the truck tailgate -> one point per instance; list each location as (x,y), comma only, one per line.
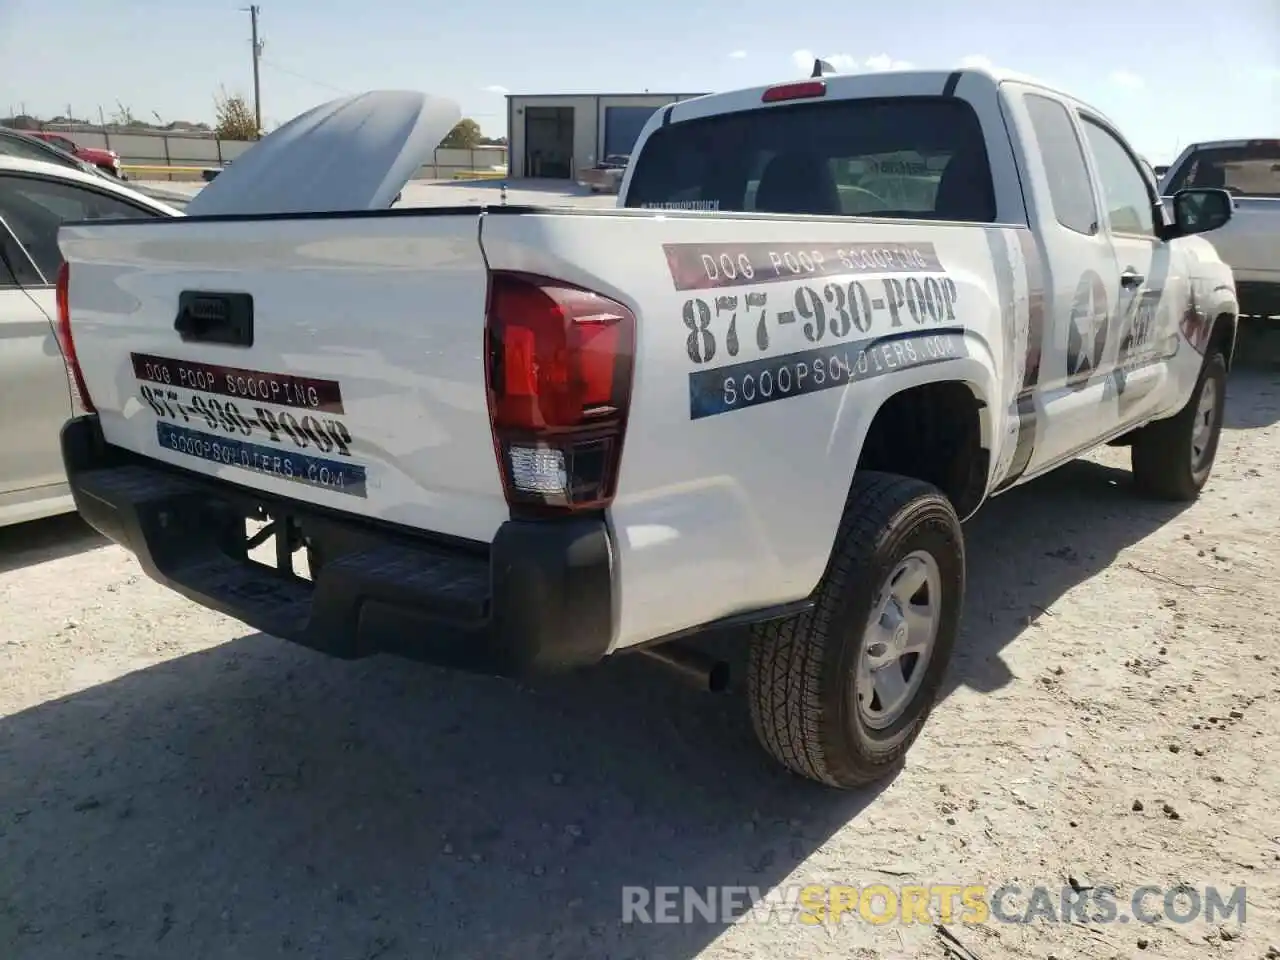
(331,359)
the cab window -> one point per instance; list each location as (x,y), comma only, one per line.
(1244,170)
(905,157)
(1125,191)
(1070,191)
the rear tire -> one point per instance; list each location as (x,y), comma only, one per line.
(1172,458)
(819,703)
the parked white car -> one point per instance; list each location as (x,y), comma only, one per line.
(35,400)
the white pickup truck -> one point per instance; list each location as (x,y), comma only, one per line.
(1250,245)
(517,439)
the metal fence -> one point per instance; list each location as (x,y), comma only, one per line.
(170,155)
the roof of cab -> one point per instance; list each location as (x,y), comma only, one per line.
(914,82)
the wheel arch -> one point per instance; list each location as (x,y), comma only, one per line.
(1223,335)
(939,431)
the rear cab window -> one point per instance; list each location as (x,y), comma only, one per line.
(1070,189)
(901,157)
(1244,170)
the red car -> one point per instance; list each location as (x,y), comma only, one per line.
(108,161)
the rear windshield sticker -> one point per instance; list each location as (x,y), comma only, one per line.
(281,389)
(289,465)
(709,266)
(755,382)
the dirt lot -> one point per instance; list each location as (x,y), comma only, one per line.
(171,785)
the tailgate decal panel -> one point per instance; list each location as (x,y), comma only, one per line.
(253,420)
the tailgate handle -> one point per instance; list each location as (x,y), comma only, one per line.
(205,317)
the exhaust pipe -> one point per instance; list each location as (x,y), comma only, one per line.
(702,671)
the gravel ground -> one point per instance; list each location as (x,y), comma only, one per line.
(172,784)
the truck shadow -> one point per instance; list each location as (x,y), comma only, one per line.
(258,800)
(1070,525)
(1253,396)
(26,544)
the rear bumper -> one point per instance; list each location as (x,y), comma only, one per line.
(538,599)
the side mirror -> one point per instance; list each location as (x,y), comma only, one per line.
(1201,210)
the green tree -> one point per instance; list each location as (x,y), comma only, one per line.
(235,120)
(464,136)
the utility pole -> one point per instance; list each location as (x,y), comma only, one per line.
(257,55)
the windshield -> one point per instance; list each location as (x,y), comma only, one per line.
(1250,170)
(906,157)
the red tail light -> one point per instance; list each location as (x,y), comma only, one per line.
(805,90)
(62,329)
(559,361)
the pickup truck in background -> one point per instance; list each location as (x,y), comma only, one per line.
(521,439)
(1250,171)
(605,176)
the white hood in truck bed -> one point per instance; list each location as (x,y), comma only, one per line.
(353,153)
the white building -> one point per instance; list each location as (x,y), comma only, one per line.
(554,136)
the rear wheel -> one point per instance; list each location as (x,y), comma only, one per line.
(839,694)
(1172,458)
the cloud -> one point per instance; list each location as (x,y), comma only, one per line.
(497,88)
(882,62)
(738,55)
(1127,80)
(978,61)
(840,62)
(846,63)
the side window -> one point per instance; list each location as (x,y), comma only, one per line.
(16,268)
(35,208)
(1070,190)
(1128,200)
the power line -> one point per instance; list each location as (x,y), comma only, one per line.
(298,76)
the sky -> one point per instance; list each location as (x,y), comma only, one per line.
(1167,73)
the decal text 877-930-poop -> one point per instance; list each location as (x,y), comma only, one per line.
(277,424)
(854,311)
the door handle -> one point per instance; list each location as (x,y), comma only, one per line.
(1131,278)
(225,318)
